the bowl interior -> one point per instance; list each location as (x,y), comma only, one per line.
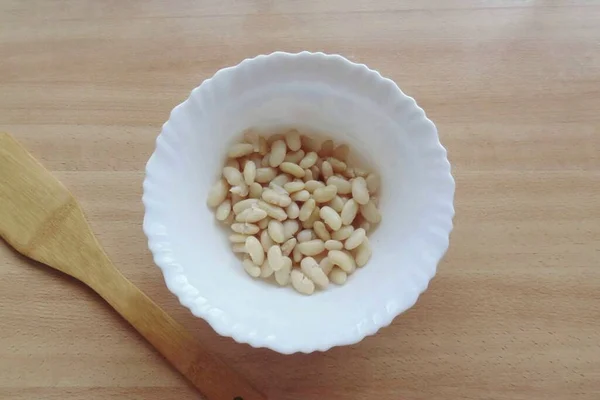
(320,102)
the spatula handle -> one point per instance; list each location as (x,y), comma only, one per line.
(210,375)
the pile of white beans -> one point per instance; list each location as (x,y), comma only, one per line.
(299,213)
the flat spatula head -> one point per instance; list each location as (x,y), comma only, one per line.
(38,216)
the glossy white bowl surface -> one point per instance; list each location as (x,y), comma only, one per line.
(319,93)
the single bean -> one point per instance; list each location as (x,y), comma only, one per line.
(312,247)
(245,228)
(217,193)
(276,231)
(254,248)
(223,210)
(331,218)
(240,150)
(302,283)
(356,239)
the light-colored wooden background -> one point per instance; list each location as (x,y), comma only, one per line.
(514,87)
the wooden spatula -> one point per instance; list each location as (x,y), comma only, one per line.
(42,220)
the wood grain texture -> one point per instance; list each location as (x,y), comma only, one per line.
(514,88)
(42,220)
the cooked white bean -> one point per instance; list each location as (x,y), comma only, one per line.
(263,223)
(331,218)
(254,248)
(326,170)
(306,209)
(293,211)
(237,238)
(341,152)
(349,212)
(266,270)
(292,139)
(266,241)
(308,224)
(244,205)
(342,260)
(217,193)
(281,180)
(308,175)
(273,211)
(326,148)
(263,147)
(252,269)
(312,247)
(315,171)
(265,174)
(294,157)
(305,235)
(370,212)
(276,231)
(360,193)
(288,246)
(241,190)
(363,253)
(245,229)
(343,233)
(296,255)
(311,268)
(240,150)
(326,265)
(278,151)
(277,188)
(271,196)
(309,160)
(338,276)
(239,248)
(265,160)
(334,245)
(290,227)
(249,172)
(282,276)
(343,186)
(302,283)
(321,231)
(233,176)
(275,257)
(293,187)
(349,173)
(325,194)
(337,165)
(223,210)
(255,190)
(373,182)
(313,185)
(251,215)
(301,196)
(337,204)
(309,143)
(360,172)
(292,169)
(355,240)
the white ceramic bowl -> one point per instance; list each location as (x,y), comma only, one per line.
(318,93)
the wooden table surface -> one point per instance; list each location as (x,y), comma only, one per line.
(514,88)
